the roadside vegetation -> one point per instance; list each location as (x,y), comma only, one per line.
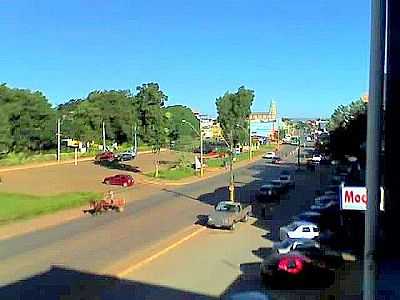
(15,207)
(184,168)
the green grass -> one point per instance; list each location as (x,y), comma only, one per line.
(21,206)
(14,159)
(215,162)
(174,174)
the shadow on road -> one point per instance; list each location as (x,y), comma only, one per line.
(120,166)
(60,283)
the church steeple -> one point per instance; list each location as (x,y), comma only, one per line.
(273,110)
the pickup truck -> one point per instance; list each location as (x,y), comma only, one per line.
(227,213)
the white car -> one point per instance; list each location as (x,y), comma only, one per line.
(269,155)
(317,158)
(299,230)
(287,179)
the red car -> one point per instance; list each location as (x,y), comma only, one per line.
(105,156)
(120,179)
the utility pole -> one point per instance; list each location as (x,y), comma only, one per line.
(374,144)
(250,154)
(104,137)
(298,155)
(76,156)
(58,140)
(201,152)
(231,179)
(135,139)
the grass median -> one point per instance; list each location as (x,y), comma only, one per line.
(173,173)
(178,173)
(15,207)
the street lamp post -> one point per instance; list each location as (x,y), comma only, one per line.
(250,154)
(201,144)
(58,140)
(231,179)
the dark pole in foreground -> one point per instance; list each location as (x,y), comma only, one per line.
(374,128)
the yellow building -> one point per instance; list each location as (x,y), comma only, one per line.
(216,131)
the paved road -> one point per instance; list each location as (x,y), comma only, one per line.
(96,244)
(218,263)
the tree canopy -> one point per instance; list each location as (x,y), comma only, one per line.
(28,120)
(233,112)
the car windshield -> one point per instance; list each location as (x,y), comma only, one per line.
(225,207)
(284,177)
(292,226)
(286,243)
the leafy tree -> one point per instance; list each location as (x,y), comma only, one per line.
(233,112)
(149,102)
(30,118)
(5,134)
(179,132)
(348,130)
(83,118)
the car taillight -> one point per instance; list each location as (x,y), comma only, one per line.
(292,265)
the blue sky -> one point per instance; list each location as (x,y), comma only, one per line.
(310,56)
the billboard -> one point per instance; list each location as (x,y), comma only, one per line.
(355,198)
(262,128)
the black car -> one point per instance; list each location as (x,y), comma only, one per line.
(295,269)
(267,193)
(330,258)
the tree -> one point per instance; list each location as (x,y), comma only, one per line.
(5,133)
(348,130)
(233,112)
(177,132)
(149,102)
(83,118)
(30,118)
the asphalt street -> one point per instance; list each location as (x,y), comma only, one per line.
(96,244)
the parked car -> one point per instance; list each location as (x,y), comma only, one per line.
(269,155)
(316,158)
(295,269)
(332,205)
(299,229)
(330,258)
(287,179)
(289,245)
(119,179)
(281,186)
(325,219)
(275,160)
(128,155)
(107,156)
(267,193)
(227,213)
